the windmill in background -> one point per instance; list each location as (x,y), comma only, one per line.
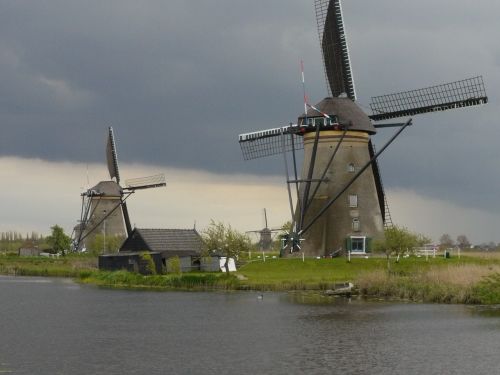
(265,235)
(339,198)
(104,207)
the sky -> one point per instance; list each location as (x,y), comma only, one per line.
(179,80)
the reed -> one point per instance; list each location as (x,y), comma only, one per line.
(460,283)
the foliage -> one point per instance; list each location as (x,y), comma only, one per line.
(11,241)
(124,279)
(174,265)
(69,266)
(445,241)
(113,244)
(488,290)
(463,241)
(397,240)
(223,239)
(58,240)
(149,267)
(285,229)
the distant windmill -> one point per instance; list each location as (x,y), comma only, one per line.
(340,200)
(104,207)
(265,234)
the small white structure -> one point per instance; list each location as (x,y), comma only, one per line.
(231,264)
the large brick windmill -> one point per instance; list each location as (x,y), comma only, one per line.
(104,206)
(340,201)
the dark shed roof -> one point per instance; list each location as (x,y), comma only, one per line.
(169,242)
(347,112)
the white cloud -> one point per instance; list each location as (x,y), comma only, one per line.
(434,217)
(36,194)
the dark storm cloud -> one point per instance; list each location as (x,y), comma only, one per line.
(179,80)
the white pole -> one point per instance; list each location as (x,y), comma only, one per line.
(263,256)
(349,255)
(104,245)
(303,257)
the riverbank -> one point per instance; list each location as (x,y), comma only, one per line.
(470,279)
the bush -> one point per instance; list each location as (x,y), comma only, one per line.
(488,290)
(149,264)
(174,265)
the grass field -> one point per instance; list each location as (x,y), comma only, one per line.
(470,279)
(68,266)
(290,272)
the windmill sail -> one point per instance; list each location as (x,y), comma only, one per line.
(149,182)
(112,157)
(334,48)
(268,142)
(378,180)
(460,94)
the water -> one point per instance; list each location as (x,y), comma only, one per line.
(54,326)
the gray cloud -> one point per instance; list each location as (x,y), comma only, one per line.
(179,80)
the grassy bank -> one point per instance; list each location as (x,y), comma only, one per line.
(465,280)
(187,281)
(68,266)
(470,279)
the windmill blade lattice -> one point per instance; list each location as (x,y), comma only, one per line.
(465,93)
(334,47)
(157,180)
(112,157)
(269,142)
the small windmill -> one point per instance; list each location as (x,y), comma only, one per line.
(265,234)
(340,199)
(104,207)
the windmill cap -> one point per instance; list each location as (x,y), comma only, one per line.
(107,189)
(347,112)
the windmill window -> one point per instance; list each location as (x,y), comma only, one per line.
(353,200)
(332,120)
(310,121)
(351,168)
(358,244)
(355,225)
(320,121)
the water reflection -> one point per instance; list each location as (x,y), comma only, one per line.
(486,311)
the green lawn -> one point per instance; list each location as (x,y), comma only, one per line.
(68,266)
(322,273)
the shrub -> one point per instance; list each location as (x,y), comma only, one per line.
(174,265)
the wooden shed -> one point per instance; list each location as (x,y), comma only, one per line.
(132,261)
(183,243)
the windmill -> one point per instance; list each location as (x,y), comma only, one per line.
(265,234)
(339,198)
(104,206)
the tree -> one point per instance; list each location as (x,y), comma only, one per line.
(58,240)
(397,240)
(113,244)
(225,240)
(463,241)
(445,241)
(284,230)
